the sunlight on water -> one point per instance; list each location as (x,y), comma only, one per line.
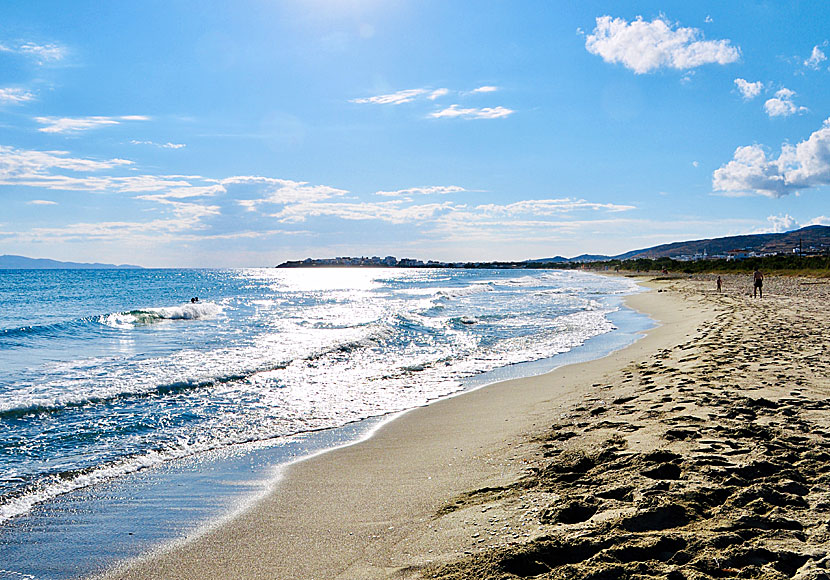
(108,381)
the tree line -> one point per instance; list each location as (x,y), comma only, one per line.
(819,265)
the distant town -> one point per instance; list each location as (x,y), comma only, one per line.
(391,262)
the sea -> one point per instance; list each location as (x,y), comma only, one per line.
(139,407)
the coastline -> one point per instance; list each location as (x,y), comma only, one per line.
(349,511)
(92,529)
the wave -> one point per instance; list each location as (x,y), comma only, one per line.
(464,291)
(521,281)
(299,366)
(192,311)
(18,336)
(60,397)
(22,408)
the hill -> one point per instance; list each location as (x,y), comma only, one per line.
(811,237)
(11,262)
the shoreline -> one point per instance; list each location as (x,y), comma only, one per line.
(93,529)
(330,513)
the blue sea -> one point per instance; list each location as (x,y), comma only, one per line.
(110,376)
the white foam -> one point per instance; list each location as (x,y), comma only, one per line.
(188,311)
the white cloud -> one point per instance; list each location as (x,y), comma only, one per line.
(438,93)
(821,220)
(432,190)
(708,19)
(816,58)
(410,95)
(454,111)
(24,162)
(782,104)
(14,96)
(798,167)
(75,124)
(749,90)
(48,169)
(540,207)
(167,145)
(42,202)
(647,46)
(111,231)
(521,214)
(397,98)
(280,191)
(781,223)
(388,211)
(42,53)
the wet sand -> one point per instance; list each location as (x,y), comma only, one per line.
(701,451)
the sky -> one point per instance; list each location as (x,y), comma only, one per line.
(247,133)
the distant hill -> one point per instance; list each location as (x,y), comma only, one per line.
(809,237)
(556,260)
(10,262)
(563,260)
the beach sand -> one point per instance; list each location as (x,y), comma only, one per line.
(701,451)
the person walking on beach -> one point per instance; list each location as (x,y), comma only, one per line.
(720,284)
(758,288)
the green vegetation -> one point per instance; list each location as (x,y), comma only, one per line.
(781,264)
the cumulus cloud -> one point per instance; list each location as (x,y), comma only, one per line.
(165,209)
(438,93)
(781,223)
(268,190)
(15,96)
(816,58)
(647,46)
(432,190)
(454,111)
(76,124)
(821,220)
(782,105)
(749,90)
(798,167)
(398,98)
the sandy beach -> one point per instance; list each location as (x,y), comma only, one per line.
(701,451)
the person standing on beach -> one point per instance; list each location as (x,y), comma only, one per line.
(720,284)
(758,288)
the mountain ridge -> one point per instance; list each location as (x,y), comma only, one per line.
(816,236)
(14,262)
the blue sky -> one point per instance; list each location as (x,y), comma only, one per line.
(248,133)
